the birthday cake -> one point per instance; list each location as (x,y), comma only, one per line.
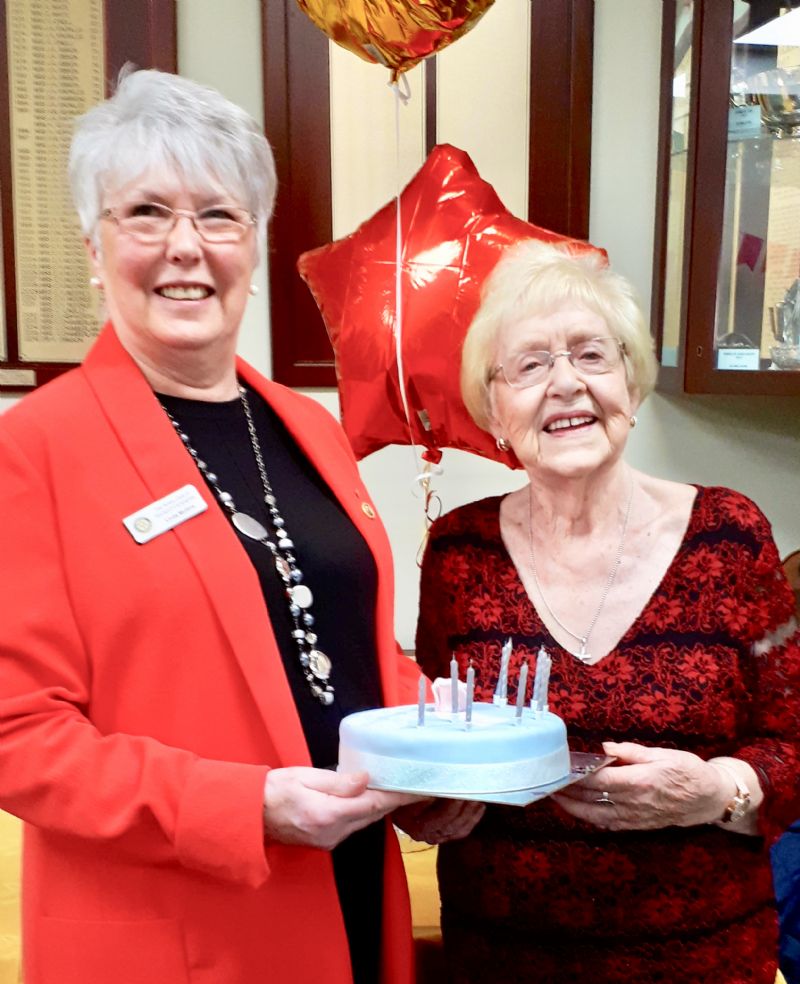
(499,750)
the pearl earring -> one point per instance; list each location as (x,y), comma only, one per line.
(502,444)
(633,421)
(253,289)
(96,282)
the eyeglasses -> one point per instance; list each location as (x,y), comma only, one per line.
(591,357)
(150,222)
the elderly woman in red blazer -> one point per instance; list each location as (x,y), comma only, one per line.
(195,590)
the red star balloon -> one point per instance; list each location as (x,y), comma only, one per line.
(454,229)
(394,33)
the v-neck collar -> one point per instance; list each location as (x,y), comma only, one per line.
(631,629)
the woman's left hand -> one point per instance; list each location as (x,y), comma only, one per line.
(438,820)
(648,788)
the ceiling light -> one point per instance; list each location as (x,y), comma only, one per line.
(782,30)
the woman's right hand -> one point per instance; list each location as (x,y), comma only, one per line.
(320,808)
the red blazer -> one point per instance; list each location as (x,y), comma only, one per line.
(142,699)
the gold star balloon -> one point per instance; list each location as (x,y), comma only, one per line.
(395,33)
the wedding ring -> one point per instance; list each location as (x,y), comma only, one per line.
(605,799)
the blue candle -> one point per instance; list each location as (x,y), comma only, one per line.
(541,681)
(522,685)
(453,686)
(543,694)
(537,681)
(501,690)
(421,703)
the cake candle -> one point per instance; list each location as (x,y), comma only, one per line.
(542,681)
(453,686)
(470,694)
(537,683)
(544,694)
(421,690)
(522,686)
(501,690)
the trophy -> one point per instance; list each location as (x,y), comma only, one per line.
(785,322)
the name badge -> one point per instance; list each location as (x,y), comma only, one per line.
(165,514)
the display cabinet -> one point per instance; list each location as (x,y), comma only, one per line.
(726,286)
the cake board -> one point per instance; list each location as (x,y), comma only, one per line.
(582,764)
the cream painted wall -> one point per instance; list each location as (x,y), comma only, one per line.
(220,45)
(480,110)
(750,444)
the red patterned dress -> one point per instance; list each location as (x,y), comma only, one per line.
(712,666)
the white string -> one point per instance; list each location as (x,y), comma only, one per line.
(401,97)
(421,484)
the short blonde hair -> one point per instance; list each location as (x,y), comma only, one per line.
(536,278)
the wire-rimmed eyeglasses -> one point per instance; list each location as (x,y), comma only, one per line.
(152,222)
(530,366)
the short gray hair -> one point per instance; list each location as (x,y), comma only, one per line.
(155,119)
(536,278)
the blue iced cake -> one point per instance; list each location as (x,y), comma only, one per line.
(496,753)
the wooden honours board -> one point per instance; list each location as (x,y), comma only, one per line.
(57,58)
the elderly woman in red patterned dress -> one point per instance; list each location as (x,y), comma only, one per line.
(674,645)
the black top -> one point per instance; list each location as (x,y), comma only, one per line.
(339,569)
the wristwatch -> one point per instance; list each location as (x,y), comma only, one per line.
(740,804)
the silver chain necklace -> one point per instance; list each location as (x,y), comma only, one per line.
(315,665)
(582,655)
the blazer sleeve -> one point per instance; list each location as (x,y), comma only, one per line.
(156,803)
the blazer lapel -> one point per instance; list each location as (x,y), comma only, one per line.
(156,452)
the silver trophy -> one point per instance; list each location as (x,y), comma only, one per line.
(785,322)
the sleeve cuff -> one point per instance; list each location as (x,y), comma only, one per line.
(220,827)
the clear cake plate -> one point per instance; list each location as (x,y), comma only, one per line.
(582,764)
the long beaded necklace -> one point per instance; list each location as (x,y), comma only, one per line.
(315,665)
(582,655)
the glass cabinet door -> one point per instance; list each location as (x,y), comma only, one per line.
(729,274)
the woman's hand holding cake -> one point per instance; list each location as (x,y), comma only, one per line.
(650,788)
(320,808)
(436,821)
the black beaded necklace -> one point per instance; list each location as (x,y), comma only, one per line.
(316,666)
